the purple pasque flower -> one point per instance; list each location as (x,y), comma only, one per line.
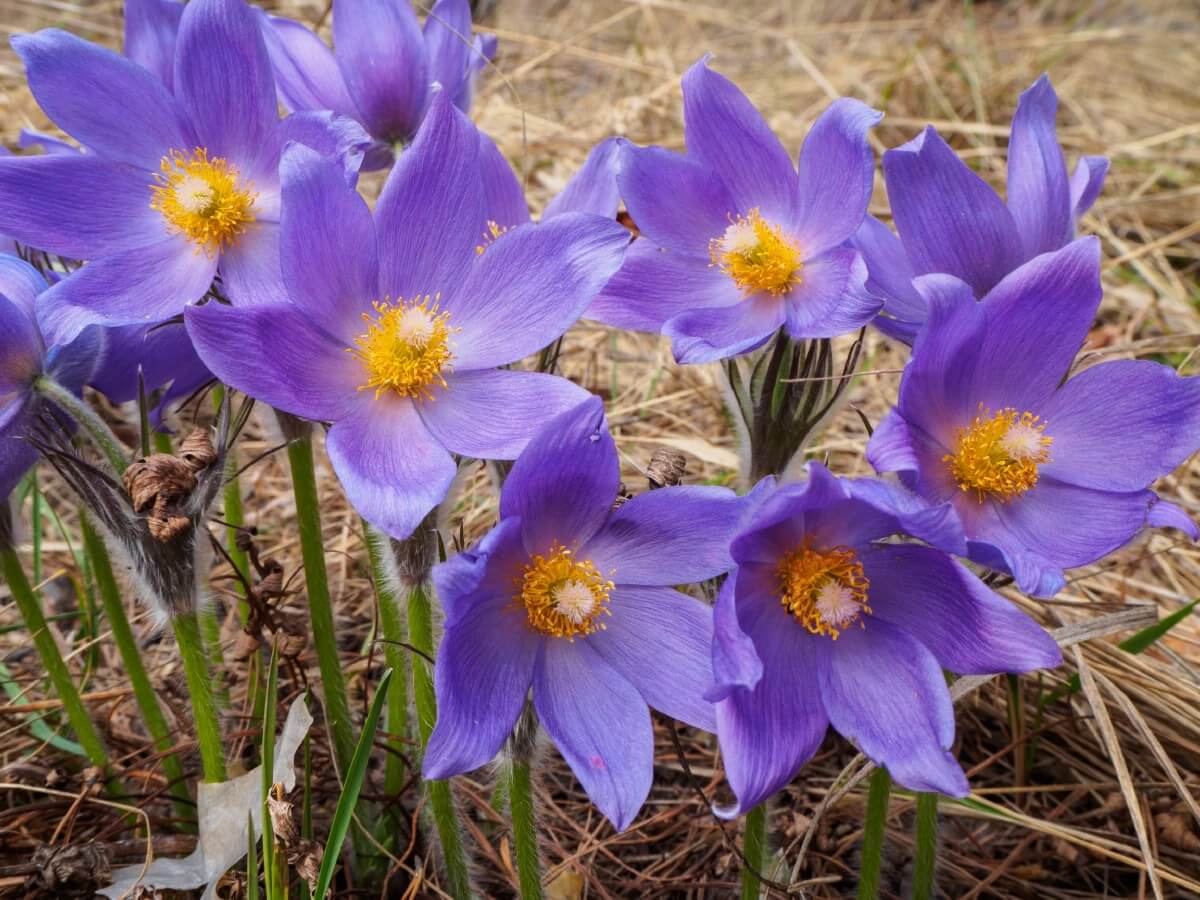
(385,66)
(151,32)
(164,357)
(951,221)
(576,600)
(735,245)
(177,187)
(394,324)
(24,358)
(824,622)
(1044,475)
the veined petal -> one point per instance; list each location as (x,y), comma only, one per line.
(948,217)
(677,202)
(600,724)
(151,27)
(21,283)
(1038,191)
(505,199)
(306,74)
(483,674)
(492,413)
(970,629)
(1086,183)
(884,691)
(563,486)
(136,287)
(249,268)
(100,98)
(20,353)
(487,571)
(735,661)
(334,136)
(381,52)
(392,469)
(726,133)
(832,297)
(837,171)
(448,44)
(593,189)
(531,285)
(660,641)
(275,354)
(1169,515)
(706,335)
(889,276)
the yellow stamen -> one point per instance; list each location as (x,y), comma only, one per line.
(757,256)
(204,199)
(825,590)
(563,596)
(999,454)
(406,347)
(489,237)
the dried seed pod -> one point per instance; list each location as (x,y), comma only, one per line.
(306,859)
(197,450)
(72,871)
(666,468)
(283,819)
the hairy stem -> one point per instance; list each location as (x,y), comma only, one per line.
(524,825)
(754,848)
(873,832)
(925,862)
(392,624)
(112,448)
(204,706)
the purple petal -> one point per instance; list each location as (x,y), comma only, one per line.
(563,486)
(676,535)
(600,724)
(727,134)
(334,136)
(530,286)
(885,692)
(1038,192)
(492,413)
(768,732)
(483,51)
(249,267)
(1087,183)
(660,641)
(223,79)
(593,189)
(890,448)
(71,365)
(80,207)
(29,139)
(676,202)
(105,101)
(706,335)
(483,673)
(162,353)
(274,354)
(970,629)
(832,298)
(392,469)
(489,570)
(328,251)
(948,217)
(890,275)
(448,44)
(735,661)
(16,454)
(137,287)
(151,27)
(382,56)
(505,204)
(21,284)
(20,352)
(654,285)
(837,172)
(1168,515)
(430,215)
(1120,425)
(306,74)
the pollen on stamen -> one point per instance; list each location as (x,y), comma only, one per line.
(825,590)
(563,596)
(205,199)
(494,231)
(757,255)
(406,348)
(999,453)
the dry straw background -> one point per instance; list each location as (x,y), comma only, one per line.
(1105,802)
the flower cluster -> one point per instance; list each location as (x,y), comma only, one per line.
(198,231)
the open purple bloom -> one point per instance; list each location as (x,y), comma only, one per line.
(162,353)
(735,245)
(951,221)
(25,357)
(1044,475)
(385,66)
(395,323)
(575,600)
(177,187)
(824,623)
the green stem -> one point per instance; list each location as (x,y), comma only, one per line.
(754,848)
(441,801)
(112,448)
(139,680)
(873,832)
(524,824)
(392,623)
(56,667)
(925,861)
(234,516)
(320,606)
(204,707)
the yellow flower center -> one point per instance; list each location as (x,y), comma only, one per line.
(999,454)
(204,199)
(757,256)
(564,596)
(406,347)
(825,591)
(489,237)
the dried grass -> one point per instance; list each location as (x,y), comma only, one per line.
(1094,796)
